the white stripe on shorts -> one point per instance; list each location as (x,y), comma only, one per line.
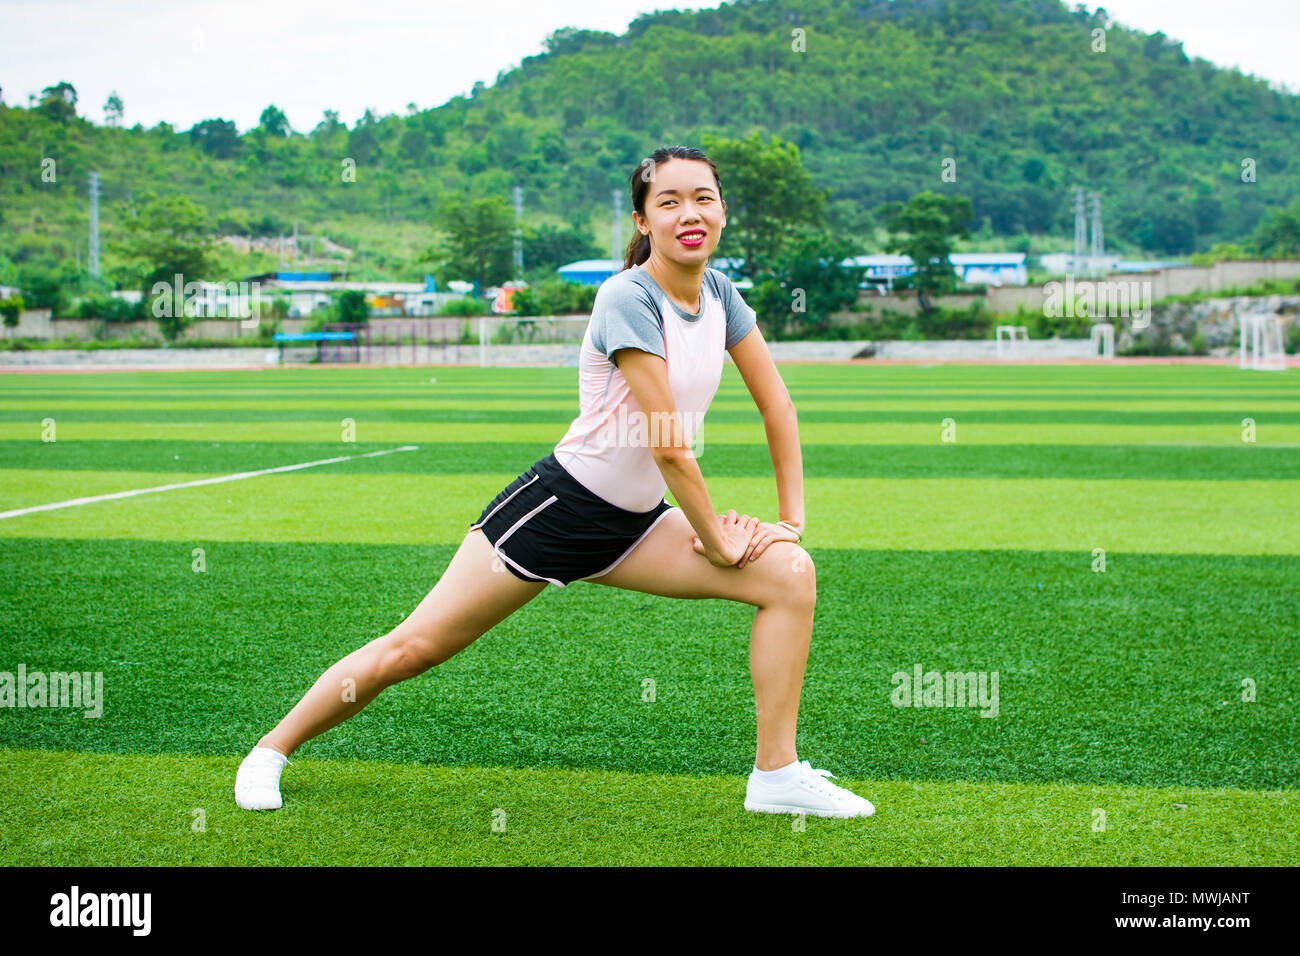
(523,570)
(505,501)
(515,527)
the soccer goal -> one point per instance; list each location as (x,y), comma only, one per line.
(1261,343)
(1102,336)
(1014,335)
(505,341)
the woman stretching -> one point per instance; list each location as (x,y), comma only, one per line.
(594,509)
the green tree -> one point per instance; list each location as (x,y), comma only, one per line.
(217,137)
(43,288)
(808,284)
(363,141)
(554,296)
(113,109)
(479,246)
(548,247)
(12,310)
(169,237)
(1278,236)
(768,194)
(59,102)
(924,229)
(274,121)
(328,126)
(353,307)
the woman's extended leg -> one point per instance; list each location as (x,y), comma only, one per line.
(475,593)
(781,584)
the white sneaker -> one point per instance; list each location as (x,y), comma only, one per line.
(257,784)
(808,793)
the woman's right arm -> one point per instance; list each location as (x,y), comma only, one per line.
(646,375)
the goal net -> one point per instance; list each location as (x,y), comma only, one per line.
(1011,340)
(1261,343)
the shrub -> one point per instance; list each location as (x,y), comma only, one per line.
(110,309)
(554,296)
(12,310)
(352,307)
(466,305)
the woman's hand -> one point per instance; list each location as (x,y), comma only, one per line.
(764,535)
(736,532)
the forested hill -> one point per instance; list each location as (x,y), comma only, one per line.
(876,94)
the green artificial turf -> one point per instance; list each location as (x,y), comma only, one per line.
(94,810)
(1171,677)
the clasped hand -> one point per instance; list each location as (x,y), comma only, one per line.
(744,538)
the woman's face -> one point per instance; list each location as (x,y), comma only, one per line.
(682,199)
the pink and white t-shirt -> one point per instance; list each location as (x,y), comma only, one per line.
(607,447)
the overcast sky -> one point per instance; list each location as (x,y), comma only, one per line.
(183,61)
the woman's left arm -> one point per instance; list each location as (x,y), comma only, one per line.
(754,362)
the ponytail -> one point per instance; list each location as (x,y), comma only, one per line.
(638,250)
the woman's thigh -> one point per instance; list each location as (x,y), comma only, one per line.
(475,593)
(665,563)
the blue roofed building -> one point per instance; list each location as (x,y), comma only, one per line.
(982,268)
(590,271)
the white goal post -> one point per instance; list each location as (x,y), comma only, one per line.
(546,341)
(1102,335)
(1014,334)
(1261,342)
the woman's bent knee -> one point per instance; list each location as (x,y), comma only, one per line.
(793,575)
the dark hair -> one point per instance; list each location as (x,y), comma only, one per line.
(638,250)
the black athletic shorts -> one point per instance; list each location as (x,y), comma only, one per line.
(547,526)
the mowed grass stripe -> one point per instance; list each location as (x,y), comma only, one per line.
(70,809)
(1175,516)
(559,417)
(1094,376)
(1134,675)
(956,460)
(534,403)
(728,391)
(927,432)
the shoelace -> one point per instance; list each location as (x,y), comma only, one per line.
(810,775)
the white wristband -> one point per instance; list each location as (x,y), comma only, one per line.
(785,524)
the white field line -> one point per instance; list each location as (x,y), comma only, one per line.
(202,481)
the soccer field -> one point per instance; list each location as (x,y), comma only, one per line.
(1147,698)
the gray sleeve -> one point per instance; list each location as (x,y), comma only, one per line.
(740,317)
(624,316)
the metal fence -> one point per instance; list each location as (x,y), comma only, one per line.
(414,342)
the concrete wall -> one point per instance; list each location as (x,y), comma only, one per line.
(504,355)
(1164,283)
(32,324)
(139,358)
(38,324)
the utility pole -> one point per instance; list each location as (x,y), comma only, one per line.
(1098,242)
(1080,232)
(519,233)
(92,256)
